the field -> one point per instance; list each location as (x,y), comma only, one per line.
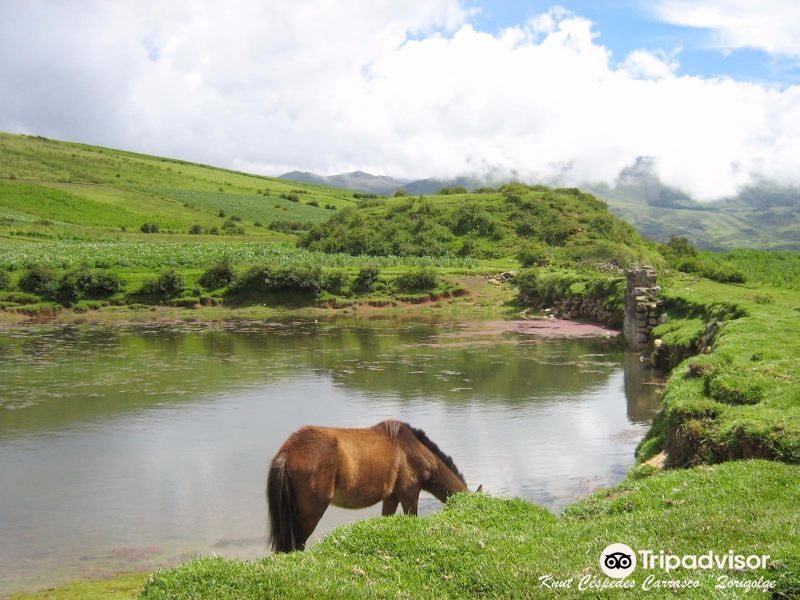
(57,190)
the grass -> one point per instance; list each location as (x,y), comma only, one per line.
(119,587)
(90,191)
(743,399)
(481,546)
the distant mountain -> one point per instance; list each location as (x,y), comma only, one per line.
(358,181)
(761,216)
(432,186)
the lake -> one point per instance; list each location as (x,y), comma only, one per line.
(130,447)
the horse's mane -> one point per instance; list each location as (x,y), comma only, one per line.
(431,445)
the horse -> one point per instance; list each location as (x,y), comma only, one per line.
(352,468)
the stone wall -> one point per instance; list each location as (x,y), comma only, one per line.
(643,307)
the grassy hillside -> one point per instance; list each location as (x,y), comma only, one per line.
(567,225)
(51,189)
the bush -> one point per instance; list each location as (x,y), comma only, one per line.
(5,280)
(170,284)
(39,281)
(83,282)
(365,280)
(268,278)
(218,275)
(421,279)
(334,282)
(528,283)
(533,254)
(718,271)
(150,228)
(103,284)
(678,247)
(196,230)
(289,226)
(401,193)
(456,189)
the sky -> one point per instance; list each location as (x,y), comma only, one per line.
(569,93)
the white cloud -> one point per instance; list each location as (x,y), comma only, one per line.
(769,25)
(651,65)
(406,89)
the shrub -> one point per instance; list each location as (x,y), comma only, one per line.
(39,281)
(150,228)
(679,246)
(102,284)
(474,218)
(401,193)
(196,230)
(468,248)
(313,203)
(334,282)
(290,197)
(421,279)
(718,271)
(5,280)
(170,284)
(218,275)
(533,254)
(456,189)
(289,226)
(365,280)
(528,283)
(269,278)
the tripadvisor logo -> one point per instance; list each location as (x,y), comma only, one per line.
(618,561)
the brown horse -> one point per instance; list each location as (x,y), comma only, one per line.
(352,468)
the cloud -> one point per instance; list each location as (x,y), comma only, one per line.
(651,65)
(406,89)
(769,25)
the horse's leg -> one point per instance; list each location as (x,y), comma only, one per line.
(313,495)
(390,506)
(410,500)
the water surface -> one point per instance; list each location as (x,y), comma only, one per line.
(131,447)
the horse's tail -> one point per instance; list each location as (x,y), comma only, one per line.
(282,507)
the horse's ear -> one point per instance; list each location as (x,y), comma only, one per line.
(480,489)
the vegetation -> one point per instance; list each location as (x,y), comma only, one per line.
(219,275)
(574,227)
(169,284)
(481,546)
(73,232)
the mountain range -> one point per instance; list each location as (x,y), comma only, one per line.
(765,215)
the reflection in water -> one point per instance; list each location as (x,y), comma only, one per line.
(125,448)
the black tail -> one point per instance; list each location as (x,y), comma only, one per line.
(282,509)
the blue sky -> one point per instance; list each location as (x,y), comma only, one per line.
(624,26)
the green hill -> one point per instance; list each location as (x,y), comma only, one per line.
(52,189)
(569,225)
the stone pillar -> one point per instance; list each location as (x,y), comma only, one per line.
(642,306)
